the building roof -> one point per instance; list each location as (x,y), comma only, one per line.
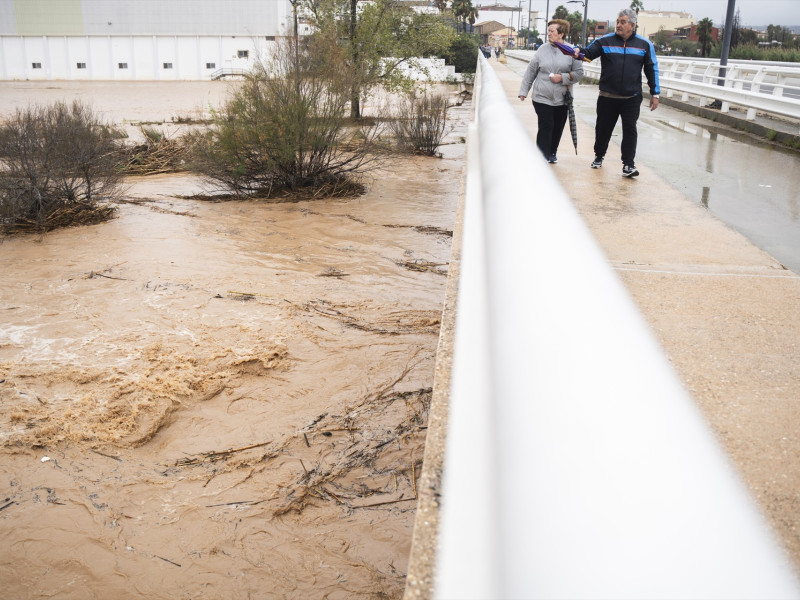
(490,26)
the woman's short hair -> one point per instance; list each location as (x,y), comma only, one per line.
(630,13)
(561,24)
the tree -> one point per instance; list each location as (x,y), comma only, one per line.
(464,13)
(637,5)
(472,16)
(376,40)
(591,25)
(561,12)
(704,29)
(776,33)
(661,38)
(739,35)
(462,53)
(683,47)
(575,21)
(285,129)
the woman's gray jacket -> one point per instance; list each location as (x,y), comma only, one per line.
(549,59)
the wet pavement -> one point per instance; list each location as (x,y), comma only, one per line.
(746,182)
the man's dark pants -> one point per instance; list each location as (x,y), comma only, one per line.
(608,111)
(551,126)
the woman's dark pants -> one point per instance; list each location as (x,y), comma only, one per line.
(551,126)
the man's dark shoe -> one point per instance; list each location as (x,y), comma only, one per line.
(553,159)
(629,171)
(598,162)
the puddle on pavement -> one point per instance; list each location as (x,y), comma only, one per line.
(749,184)
(223,400)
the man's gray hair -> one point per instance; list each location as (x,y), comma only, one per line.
(630,13)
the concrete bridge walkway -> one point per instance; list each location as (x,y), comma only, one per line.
(726,313)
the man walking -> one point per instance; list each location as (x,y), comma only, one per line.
(623,56)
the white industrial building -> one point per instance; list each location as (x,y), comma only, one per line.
(136,39)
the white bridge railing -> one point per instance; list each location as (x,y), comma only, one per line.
(576,464)
(772,88)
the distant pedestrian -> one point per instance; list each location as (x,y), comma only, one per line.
(551,72)
(623,57)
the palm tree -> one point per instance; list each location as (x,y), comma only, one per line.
(703,30)
(591,24)
(561,12)
(637,5)
(459,8)
(472,15)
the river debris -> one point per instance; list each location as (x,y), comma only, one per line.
(362,458)
(429,229)
(423,266)
(216,455)
(393,323)
(156,155)
(333,272)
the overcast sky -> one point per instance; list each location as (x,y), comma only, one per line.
(751,12)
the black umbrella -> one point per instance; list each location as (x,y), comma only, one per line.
(573,126)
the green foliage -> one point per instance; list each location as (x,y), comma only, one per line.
(464,13)
(285,130)
(152,134)
(776,33)
(683,47)
(421,122)
(58,163)
(704,30)
(753,52)
(463,53)
(575,21)
(660,39)
(375,39)
(560,12)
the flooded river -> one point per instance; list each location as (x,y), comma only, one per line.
(220,400)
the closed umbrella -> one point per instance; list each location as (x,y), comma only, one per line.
(570,51)
(573,126)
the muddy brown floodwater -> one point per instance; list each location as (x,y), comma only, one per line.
(220,400)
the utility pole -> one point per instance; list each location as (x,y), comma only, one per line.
(528,37)
(585,22)
(726,42)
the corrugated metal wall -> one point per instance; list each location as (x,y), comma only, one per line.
(145,17)
(123,57)
(135,39)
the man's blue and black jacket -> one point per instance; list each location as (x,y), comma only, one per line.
(622,62)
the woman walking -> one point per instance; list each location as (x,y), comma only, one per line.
(551,72)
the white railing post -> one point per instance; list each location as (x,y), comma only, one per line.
(699,79)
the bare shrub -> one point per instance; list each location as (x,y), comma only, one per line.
(58,165)
(421,122)
(285,130)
